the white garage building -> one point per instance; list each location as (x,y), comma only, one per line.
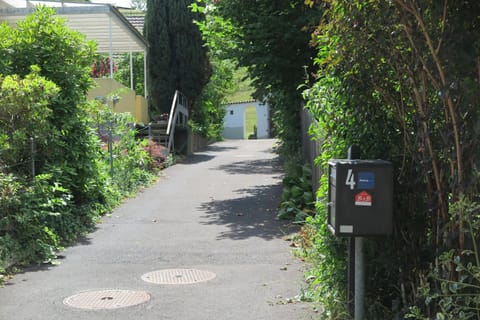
(235,121)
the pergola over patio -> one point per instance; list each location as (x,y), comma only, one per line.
(102,23)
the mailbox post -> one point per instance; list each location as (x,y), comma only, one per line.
(360,203)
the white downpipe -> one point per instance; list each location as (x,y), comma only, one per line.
(131,70)
(111,46)
(145,73)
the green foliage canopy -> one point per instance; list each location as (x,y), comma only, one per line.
(272,39)
(208,116)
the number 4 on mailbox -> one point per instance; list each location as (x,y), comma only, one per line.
(350,179)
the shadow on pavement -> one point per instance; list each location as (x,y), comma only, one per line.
(46,266)
(85,240)
(261,166)
(215,148)
(197,158)
(251,215)
(270,150)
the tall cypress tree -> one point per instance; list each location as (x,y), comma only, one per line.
(158,56)
(177,58)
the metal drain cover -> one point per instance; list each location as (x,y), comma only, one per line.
(178,276)
(106,299)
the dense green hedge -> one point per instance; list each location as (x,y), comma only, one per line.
(400,78)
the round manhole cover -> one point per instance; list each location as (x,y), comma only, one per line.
(178,276)
(107,299)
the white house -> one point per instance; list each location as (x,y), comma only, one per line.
(237,119)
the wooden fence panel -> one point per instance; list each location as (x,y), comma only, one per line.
(311,148)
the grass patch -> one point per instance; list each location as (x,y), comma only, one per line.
(244,90)
(250,122)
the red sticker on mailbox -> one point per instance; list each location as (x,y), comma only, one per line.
(363,199)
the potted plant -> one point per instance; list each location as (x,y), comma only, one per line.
(161,118)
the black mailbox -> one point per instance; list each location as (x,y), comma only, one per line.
(360,197)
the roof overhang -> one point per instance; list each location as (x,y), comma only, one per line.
(101,23)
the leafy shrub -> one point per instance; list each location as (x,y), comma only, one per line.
(158,153)
(25,232)
(29,219)
(64,57)
(44,78)
(454,283)
(24,113)
(128,164)
(298,201)
(131,161)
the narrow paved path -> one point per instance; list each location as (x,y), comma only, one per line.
(215,213)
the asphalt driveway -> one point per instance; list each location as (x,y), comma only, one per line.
(213,215)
